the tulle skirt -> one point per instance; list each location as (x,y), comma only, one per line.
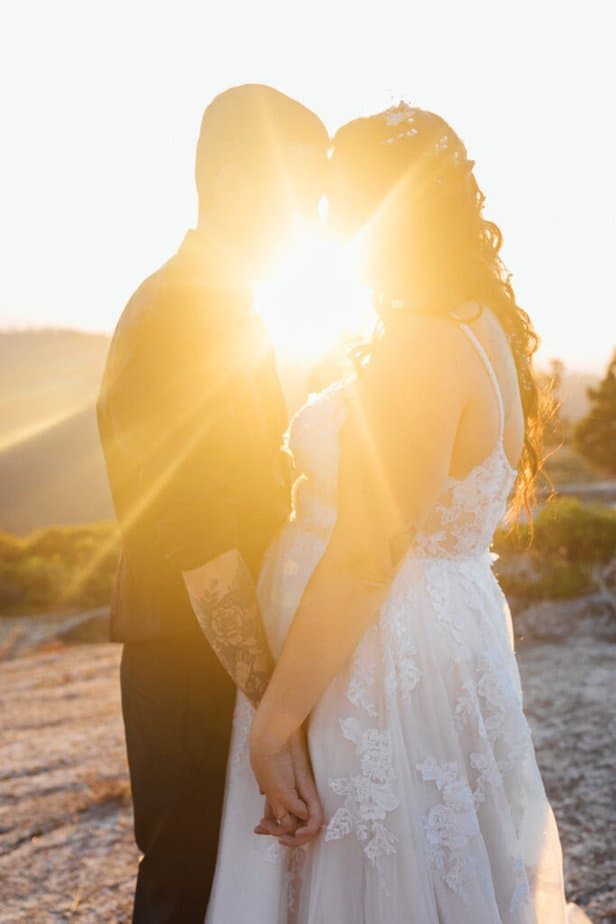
(435,808)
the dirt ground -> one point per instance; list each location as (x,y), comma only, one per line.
(66,848)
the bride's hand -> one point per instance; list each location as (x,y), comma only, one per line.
(272,765)
(269,827)
(307,789)
(295,831)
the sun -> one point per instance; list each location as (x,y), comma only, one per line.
(314,298)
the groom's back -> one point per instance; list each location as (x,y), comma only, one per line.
(191,418)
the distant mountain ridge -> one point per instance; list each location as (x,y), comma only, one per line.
(51,466)
(56,476)
(46,375)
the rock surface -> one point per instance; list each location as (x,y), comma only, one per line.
(570,702)
(21,635)
(66,848)
(589,616)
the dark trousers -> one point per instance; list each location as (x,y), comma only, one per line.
(177,703)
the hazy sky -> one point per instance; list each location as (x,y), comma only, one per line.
(101,103)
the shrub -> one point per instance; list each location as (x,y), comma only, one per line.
(565,528)
(551,581)
(577,532)
(570,538)
(11,548)
(61,568)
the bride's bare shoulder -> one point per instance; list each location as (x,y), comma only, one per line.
(419,347)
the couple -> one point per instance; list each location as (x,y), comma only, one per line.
(378,706)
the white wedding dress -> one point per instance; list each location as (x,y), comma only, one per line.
(435,809)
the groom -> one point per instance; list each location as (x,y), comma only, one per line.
(191,418)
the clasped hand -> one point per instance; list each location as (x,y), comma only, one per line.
(293,811)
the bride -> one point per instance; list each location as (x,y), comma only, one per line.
(394,641)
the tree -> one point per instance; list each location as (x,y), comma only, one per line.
(595,435)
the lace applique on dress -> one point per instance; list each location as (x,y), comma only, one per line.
(364,666)
(402,673)
(386,645)
(498,741)
(503,724)
(450,825)
(484,705)
(451,585)
(369,796)
(293,861)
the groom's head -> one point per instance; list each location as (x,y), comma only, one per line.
(261,160)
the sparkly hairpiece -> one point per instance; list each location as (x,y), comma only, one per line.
(403,118)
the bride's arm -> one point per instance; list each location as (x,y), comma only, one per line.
(395,454)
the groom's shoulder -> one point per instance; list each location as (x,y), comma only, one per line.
(161,299)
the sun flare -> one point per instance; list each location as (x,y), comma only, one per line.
(314,298)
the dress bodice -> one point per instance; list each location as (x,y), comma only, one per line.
(464,519)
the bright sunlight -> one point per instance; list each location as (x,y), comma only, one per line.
(314,298)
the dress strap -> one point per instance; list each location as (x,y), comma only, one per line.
(490,370)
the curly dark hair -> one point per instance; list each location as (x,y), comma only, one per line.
(402,183)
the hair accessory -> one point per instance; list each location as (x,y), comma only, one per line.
(403,120)
(407,134)
(403,116)
(399,114)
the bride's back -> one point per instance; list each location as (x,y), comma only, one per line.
(438,421)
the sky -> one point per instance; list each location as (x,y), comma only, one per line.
(101,104)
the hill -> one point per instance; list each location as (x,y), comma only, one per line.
(51,468)
(46,376)
(55,476)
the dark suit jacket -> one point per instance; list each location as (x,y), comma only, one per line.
(191,417)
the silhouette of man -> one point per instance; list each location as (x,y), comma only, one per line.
(191,418)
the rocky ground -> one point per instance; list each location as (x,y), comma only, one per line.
(66,850)
(570,699)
